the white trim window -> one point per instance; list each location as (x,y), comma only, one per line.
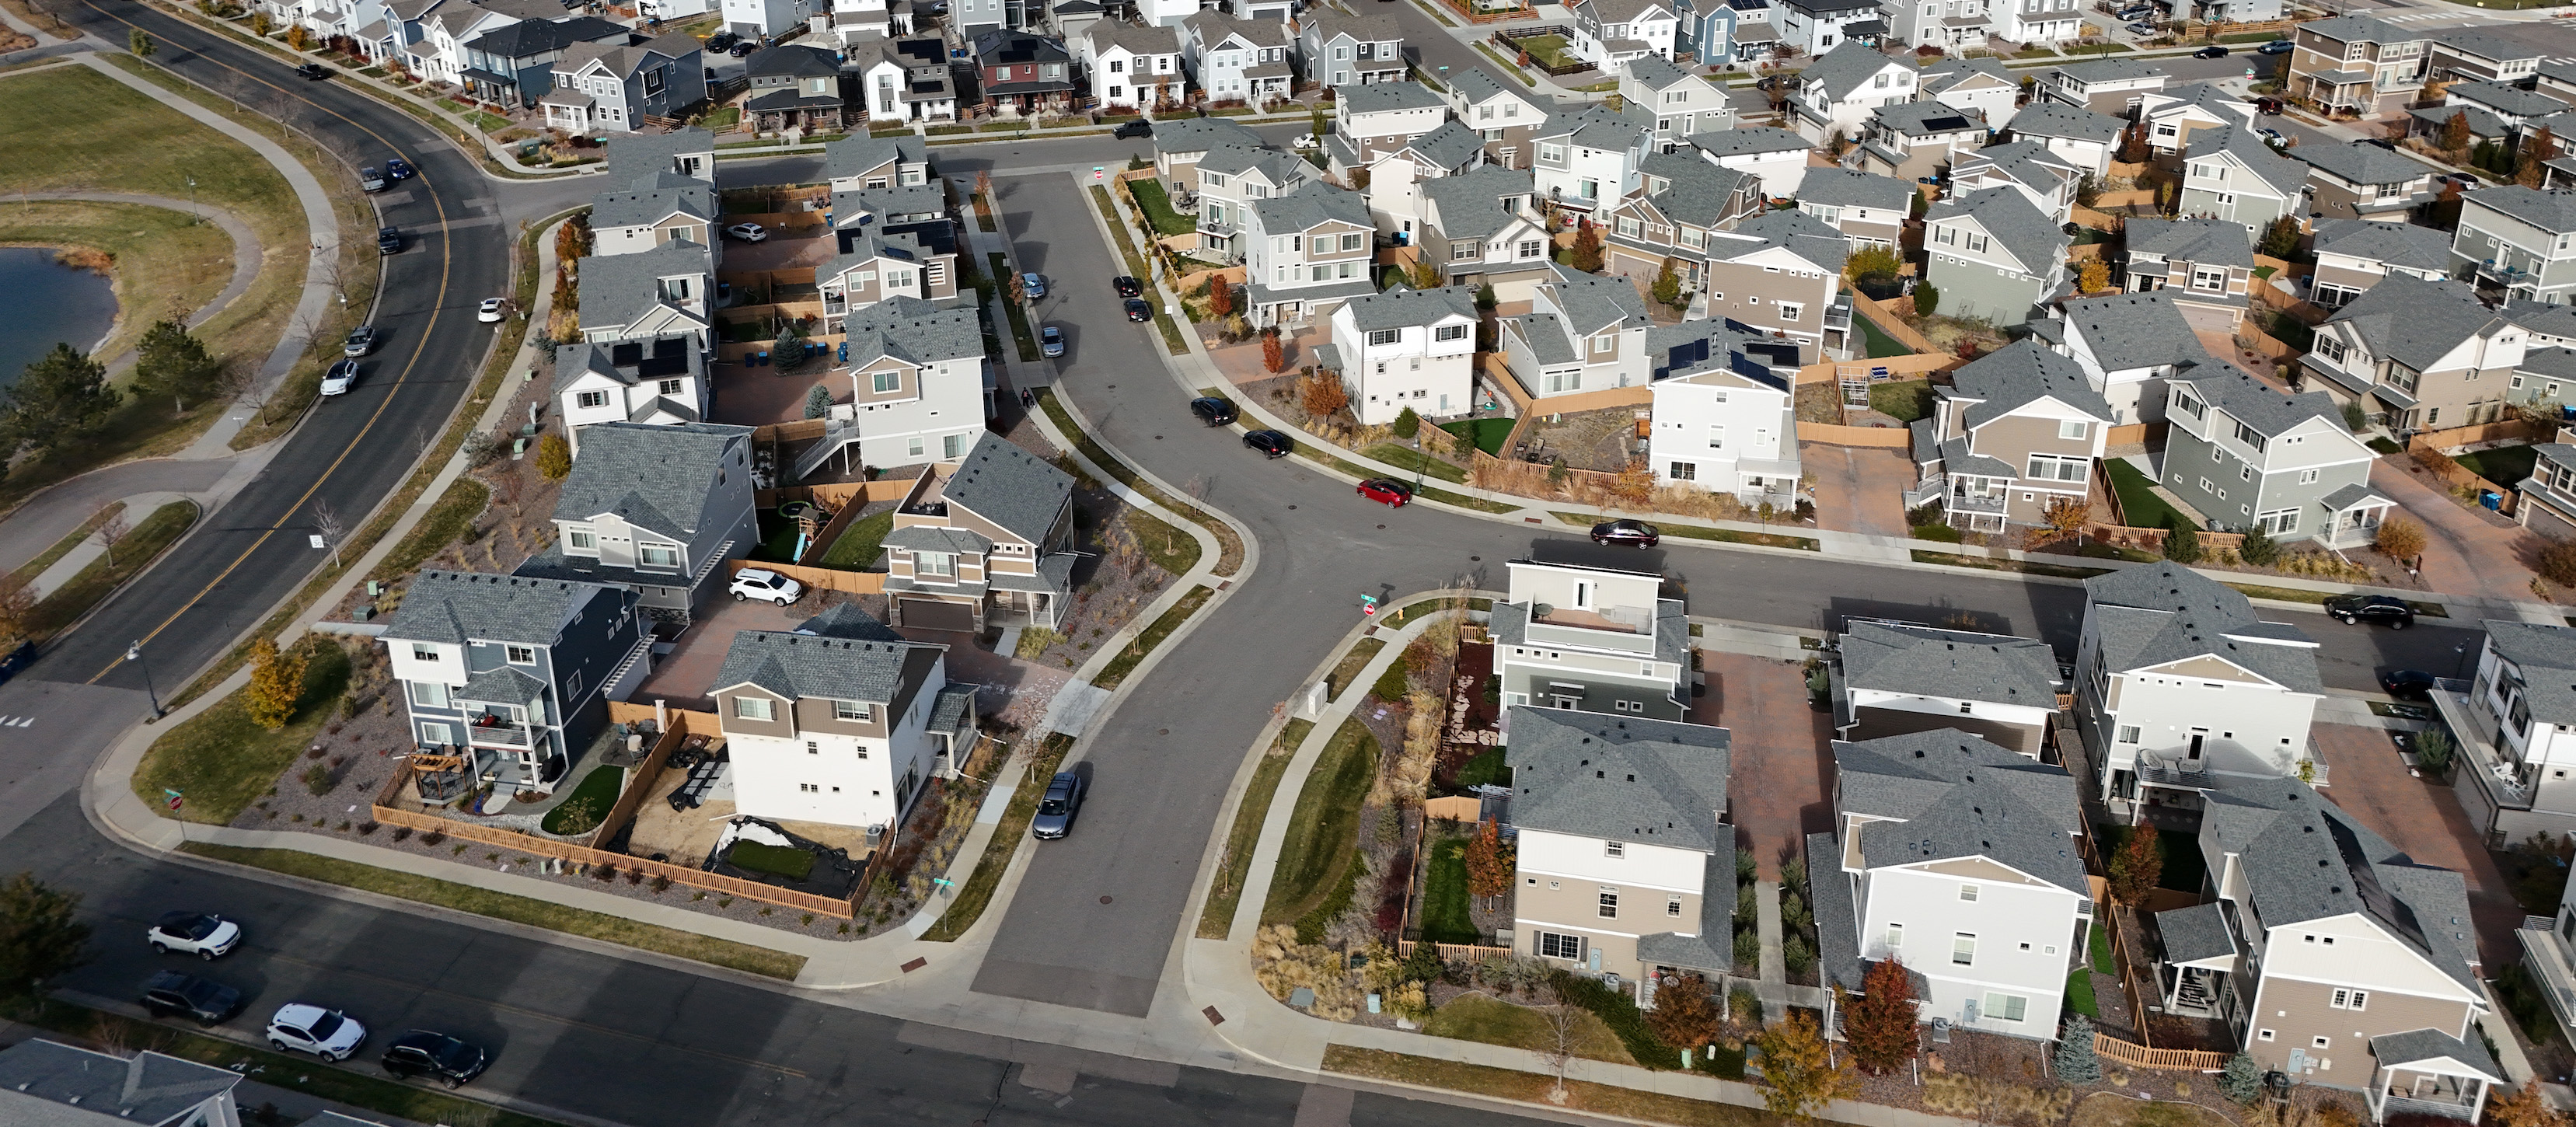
(1554,945)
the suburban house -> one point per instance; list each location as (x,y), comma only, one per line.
(2043,178)
(983,540)
(762,19)
(2038,21)
(1180,143)
(1815,27)
(881,266)
(2521,241)
(1901,678)
(2354,254)
(794,86)
(1483,219)
(2126,345)
(903,79)
(1237,60)
(1505,117)
(1609,34)
(2171,117)
(2423,355)
(1683,203)
(1776,158)
(511,676)
(656,209)
(920,387)
(514,62)
(2202,264)
(2178,684)
(1838,92)
(1723,417)
(918,212)
(1706,29)
(1870,210)
(1372,121)
(2543,375)
(2354,63)
(59,1085)
(1947,24)
(1683,103)
(854,21)
(666,291)
(2548,496)
(838,722)
(2113,84)
(1632,813)
(2235,175)
(1023,72)
(2506,721)
(1915,141)
(2464,54)
(1587,159)
(1231,179)
(689,152)
(2552,326)
(2360,180)
(1340,50)
(1584,332)
(1993,255)
(1405,349)
(615,87)
(1592,639)
(2243,455)
(438,33)
(657,510)
(1780,272)
(2086,139)
(2519,111)
(1305,252)
(2231,11)
(658,382)
(1979,87)
(2017,430)
(2556,78)
(976,18)
(1133,66)
(1977,883)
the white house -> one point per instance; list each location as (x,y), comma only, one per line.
(1399,174)
(1723,419)
(1231,179)
(1979,86)
(1592,639)
(2516,725)
(666,291)
(1306,252)
(1838,92)
(2127,345)
(1900,678)
(1131,65)
(1775,157)
(2354,254)
(764,18)
(2172,116)
(1405,349)
(2086,139)
(1233,60)
(1587,159)
(1373,120)
(644,381)
(1609,34)
(838,722)
(920,388)
(2044,179)
(656,509)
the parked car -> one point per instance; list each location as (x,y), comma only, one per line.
(747,232)
(2466,180)
(172,994)
(1137,128)
(1137,310)
(1629,533)
(743,49)
(396,168)
(435,1056)
(1386,491)
(2143,28)
(388,240)
(370,180)
(362,340)
(342,376)
(2213,51)
(2268,107)
(765,585)
(2138,12)
(2276,47)
(328,1034)
(1217,410)
(1128,287)
(1304,141)
(312,72)
(1051,340)
(1269,442)
(2372,608)
(2406,684)
(722,41)
(202,934)
(1032,285)
(2273,137)
(489,311)
(1057,810)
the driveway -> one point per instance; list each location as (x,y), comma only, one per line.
(1859,488)
(781,251)
(2466,552)
(2424,819)
(1782,779)
(685,676)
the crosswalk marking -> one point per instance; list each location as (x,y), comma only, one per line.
(17,721)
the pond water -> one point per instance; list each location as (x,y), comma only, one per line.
(42,303)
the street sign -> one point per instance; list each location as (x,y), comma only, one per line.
(1368,605)
(1095,172)
(317,541)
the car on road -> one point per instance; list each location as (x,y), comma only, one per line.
(747,232)
(1033,285)
(1128,287)
(1057,810)
(1137,128)
(1386,491)
(765,585)
(396,168)
(370,180)
(2275,138)
(328,1034)
(2406,684)
(342,376)
(743,49)
(1627,533)
(2466,180)
(1303,141)
(1137,310)
(1217,410)
(362,340)
(1269,442)
(2137,12)
(2276,47)
(388,240)
(2372,608)
(2213,51)
(172,994)
(1051,340)
(203,934)
(2268,107)
(2143,28)
(489,311)
(424,1055)
(312,72)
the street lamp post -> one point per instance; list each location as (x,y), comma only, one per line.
(134,653)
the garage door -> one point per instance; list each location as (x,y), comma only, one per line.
(2546,521)
(932,614)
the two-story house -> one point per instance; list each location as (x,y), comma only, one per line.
(985,542)
(2018,429)
(1587,159)
(652,211)
(1723,420)
(763,19)
(511,676)
(658,382)
(1780,272)
(2172,117)
(1505,116)
(1869,209)
(1374,120)
(2246,456)
(920,388)
(1705,29)
(795,86)
(858,163)
(689,152)
(2521,241)
(2497,111)
(882,265)
(2514,722)
(1610,34)
(655,509)
(2354,254)
(1916,141)
(1023,72)
(2466,54)
(2548,497)
(838,722)
(2234,174)
(1180,143)
(1230,180)
(614,87)
(1237,60)
(2360,180)
(855,21)
(1900,678)
(666,291)
(1680,204)
(1815,27)
(1625,863)
(2202,264)
(1961,861)
(904,79)
(514,63)
(1340,50)
(1683,103)
(1947,24)
(1133,66)
(1306,252)
(1480,225)
(1776,158)
(1993,255)
(2047,181)
(2126,345)
(1838,92)
(2086,139)
(2178,683)
(2037,21)
(1979,87)
(437,51)
(1592,639)
(2420,355)
(1405,349)
(2115,85)
(1584,332)
(2354,63)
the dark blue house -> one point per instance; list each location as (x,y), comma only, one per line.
(512,675)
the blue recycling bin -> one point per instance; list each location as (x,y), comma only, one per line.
(760,360)
(845,352)
(2491,499)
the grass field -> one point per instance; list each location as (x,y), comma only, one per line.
(221,761)
(1351,664)
(2503,465)
(164,258)
(860,542)
(1902,400)
(445,521)
(1216,917)
(1445,916)
(590,799)
(1880,344)
(1157,206)
(1477,1017)
(1021,334)
(1170,548)
(1323,832)
(1548,50)
(1490,434)
(2138,502)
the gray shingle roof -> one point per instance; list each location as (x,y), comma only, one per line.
(2018,228)
(894,200)
(1598,126)
(1010,487)
(145,1089)
(1407,308)
(2057,119)
(1310,207)
(2192,934)
(1952,71)
(616,289)
(1953,795)
(1958,664)
(859,155)
(2433,1044)
(2352,29)
(2021,373)
(1805,235)
(2201,95)
(2543,317)
(501,685)
(2111,68)
(1695,191)
(1377,97)
(2170,613)
(1657,72)
(2285,175)
(2505,98)
(1235,160)
(2349,496)
(793,60)
(650,201)
(1449,147)
(2546,655)
(2135,330)
(952,709)
(2363,163)
(2394,244)
(1548,338)
(632,156)
(2254,403)
(459,606)
(1925,119)
(913,330)
(2554,363)
(2480,122)
(1845,68)
(2026,162)
(1619,778)
(1142,39)
(657,477)
(1829,890)
(932,538)
(827,663)
(1846,187)
(1712,947)
(2416,321)
(627,362)
(2206,242)
(1593,302)
(1469,205)
(1201,134)
(1747,140)
(2550,211)
(1473,84)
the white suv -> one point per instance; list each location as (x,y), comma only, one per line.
(768,586)
(202,934)
(328,1034)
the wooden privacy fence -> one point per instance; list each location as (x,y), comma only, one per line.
(839,494)
(1920,365)
(2456,476)
(2165,1060)
(1832,434)
(2445,440)
(1404,949)
(819,578)
(802,430)
(1892,322)
(1454,808)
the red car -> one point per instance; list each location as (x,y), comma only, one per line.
(1386,491)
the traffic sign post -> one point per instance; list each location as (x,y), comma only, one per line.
(1368,605)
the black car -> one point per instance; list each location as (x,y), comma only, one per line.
(313,71)
(1137,310)
(1137,128)
(2406,684)
(743,49)
(1216,410)
(2213,51)
(1630,533)
(426,1055)
(1269,442)
(722,41)
(396,168)
(2372,608)
(1056,811)
(388,240)
(1128,287)
(172,994)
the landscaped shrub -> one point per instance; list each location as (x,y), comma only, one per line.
(2557,563)
(1391,685)
(317,780)
(1617,1011)
(1941,532)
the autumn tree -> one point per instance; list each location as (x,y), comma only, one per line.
(2455,132)
(1635,484)
(276,681)
(1668,283)
(1220,296)
(1489,862)
(17,608)
(1586,255)
(40,935)
(554,457)
(1274,356)
(2094,276)
(573,240)
(2537,152)
(1687,1013)
(1322,393)
(1871,261)
(2524,1108)
(2432,90)
(1426,274)
(1879,1024)
(2138,866)
(112,528)
(2400,539)
(1462,446)
(1800,1074)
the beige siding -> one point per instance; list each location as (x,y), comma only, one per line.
(2298,1013)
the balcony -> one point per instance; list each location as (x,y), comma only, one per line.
(2546,954)
(1839,314)
(2385,1103)
(489,732)
(2475,730)
(1975,502)
(2502,274)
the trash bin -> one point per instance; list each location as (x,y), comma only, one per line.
(759,359)
(2491,499)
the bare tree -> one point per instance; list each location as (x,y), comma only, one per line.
(1557,1044)
(327,525)
(112,527)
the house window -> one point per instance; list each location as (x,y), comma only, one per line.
(2350,999)
(655,555)
(1788,310)
(752,708)
(429,694)
(1384,336)
(886,382)
(852,710)
(520,655)
(1684,471)
(1614,849)
(435,734)
(423,653)
(2074,430)
(1528,249)
(1895,936)
(591,399)
(952,447)
(934,563)
(1554,946)
(1449,332)
(813,748)
(2128,733)
(2006,1007)
(1967,892)
(2046,468)
(1609,904)
(1673,906)
(1353,242)
(1604,343)
(667,387)
(1963,949)
(1717,438)
(808,788)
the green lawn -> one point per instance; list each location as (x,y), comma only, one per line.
(778,860)
(2079,993)
(1216,917)
(1490,434)
(1445,917)
(722,120)
(1171,549)
(2503,465)
(589,802)
(1902,400)
(1548,50)
(1354,660)
(2137,501)
(221,762)
(1487,767)
(1481,1017)
(1020,332)
(1406,457)
(1157,206)
(859,543)
(1880,344)
(2101,943)
(1323,833)
(2385,446)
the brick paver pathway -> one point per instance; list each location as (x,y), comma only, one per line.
(2465,552)
(1783,765)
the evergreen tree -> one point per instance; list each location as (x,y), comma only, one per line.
(2259,548)
(2182,542)
(171,361)
(2242,1080)
(40,936)
(1407,424)
(554,457)
(818,401)
(61,399)
(1927,298)
(2076,1062)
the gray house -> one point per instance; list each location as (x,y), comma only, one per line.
(2246,456)
(509,676)
(1993,255)
(2363,181)
(656,509)
(57,1085)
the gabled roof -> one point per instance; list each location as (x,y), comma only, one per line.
(1846,68)
(862,154)
(1597,126)
(2019,374)
(830,663)
(146,1089)
(1449,146)
(2362,163)
(2018,228)
(656,477)
(1276,166)
(633,156)
(1924,119)
(793,60)
(2202,96)
(2546,654)
(2256,404)
(2110,68)
(1656,72)
(1593,302)
(2169,613)
(455,607)
(2028,163)
(1139,39)
(1956,664)
(536,37)
(2195,934)
(1406,308)
(1801,234)
(914,331)
(2416,322)
(629,362)
(653,199)
(1327,25)
(1695,191)
(1010,487)
(2543,317)
(1952,70)
(2506,98)
(1748,140)
(2357,29)
(1475,84)
(1005,45)
(1619,778)
(2285,175)
(2205,242)
(2056,119)
(617,288)
(624,61)
(1846,187)
(1945,795)
(1469,204)
(2417,1046)
(2554,212)
(1214,26)
(1202,134)
(2135,330)
(1310,207)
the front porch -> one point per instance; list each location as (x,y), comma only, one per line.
(2427,1072)
(2196,962)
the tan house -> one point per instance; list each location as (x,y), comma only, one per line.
(2202,264)
(2422,355)
(2354,63)
(983,542)
(2172,116)
(2018,429)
